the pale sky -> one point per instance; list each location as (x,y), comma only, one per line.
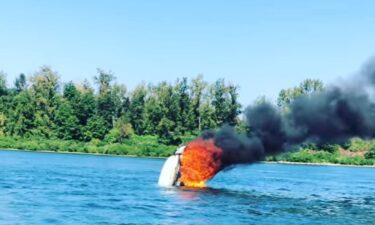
(263,46)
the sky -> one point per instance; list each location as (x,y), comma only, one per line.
(260,45)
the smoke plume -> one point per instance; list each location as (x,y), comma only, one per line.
(331,116)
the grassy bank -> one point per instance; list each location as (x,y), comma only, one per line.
(318,157)
(357,152)
(136,146)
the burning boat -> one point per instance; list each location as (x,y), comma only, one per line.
(192,165)
(171,169)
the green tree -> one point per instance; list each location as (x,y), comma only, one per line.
(198,87)
(167,133)
(66,122)
(2,124)
(121,131)
(106,110)
(3,86)
(169,104)
(183,95)
(20,83)
(162,112)
(306,87)
(310,86)
(234,108)
(225,103)
(137,109)
(219,101)
(82,101)
(70,92)
(104,80)
(371,153)
(207,118)
(105,102)
(43,91)
(6,99)
(21,115)
(95,128)
(153,112)
(85,106)
(121,101)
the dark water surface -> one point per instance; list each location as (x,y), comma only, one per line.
(47,188)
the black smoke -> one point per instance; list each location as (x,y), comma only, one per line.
(331,116)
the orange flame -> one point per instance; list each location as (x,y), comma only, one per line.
(200,161)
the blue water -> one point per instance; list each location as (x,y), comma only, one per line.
(47,188)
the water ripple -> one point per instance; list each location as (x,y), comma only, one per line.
(77,189)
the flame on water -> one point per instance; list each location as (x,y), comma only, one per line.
(200,161)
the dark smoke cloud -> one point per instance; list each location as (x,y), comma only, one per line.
(330,116)
(369,71)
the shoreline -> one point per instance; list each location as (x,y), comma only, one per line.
(81,153)
(155,157)
(317,164)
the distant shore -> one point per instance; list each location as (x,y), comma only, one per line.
(316,164)
(81,153)
(153,157)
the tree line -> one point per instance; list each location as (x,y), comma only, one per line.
(40,112)
(41,106)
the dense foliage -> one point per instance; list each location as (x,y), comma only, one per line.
(41,107)
(41,113)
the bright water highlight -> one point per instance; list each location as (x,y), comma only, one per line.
(47,188)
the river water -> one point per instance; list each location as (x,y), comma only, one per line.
(47,188)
